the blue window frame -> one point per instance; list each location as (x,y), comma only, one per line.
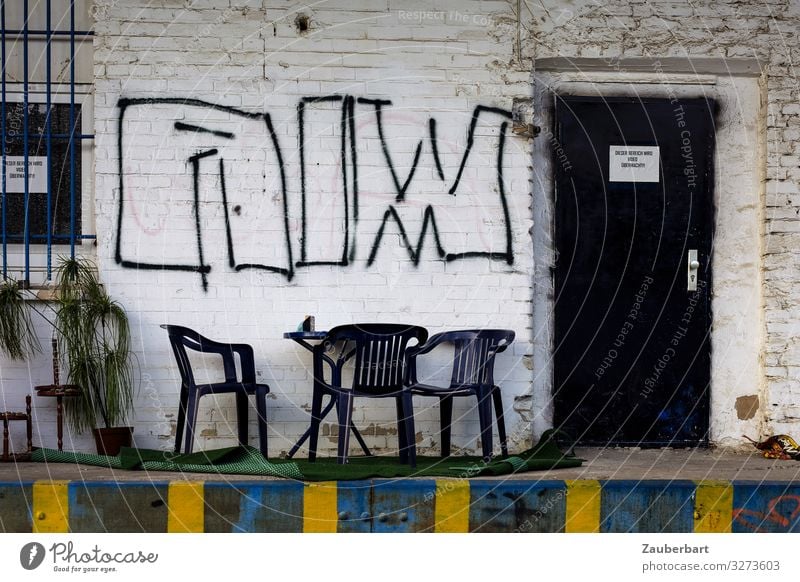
(41,121)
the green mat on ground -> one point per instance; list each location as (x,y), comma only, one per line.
(249,461)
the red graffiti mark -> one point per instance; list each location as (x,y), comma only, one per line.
(781,517)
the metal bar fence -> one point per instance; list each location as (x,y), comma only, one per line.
(73,137)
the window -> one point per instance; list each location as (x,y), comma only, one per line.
(45,122)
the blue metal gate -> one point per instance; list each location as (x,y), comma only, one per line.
(48,138)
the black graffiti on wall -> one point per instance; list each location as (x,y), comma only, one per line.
(205,125)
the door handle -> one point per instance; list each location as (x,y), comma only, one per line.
(691,270)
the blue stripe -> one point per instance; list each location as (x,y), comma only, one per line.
(401,506)
(276,506)
(353,505)
(517,506)
(114,507)
(647,506)
(770,507)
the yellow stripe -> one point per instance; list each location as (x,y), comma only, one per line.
(186,507)
(452,506)
(713,507)
(51,507)
(319,507)
(583,506)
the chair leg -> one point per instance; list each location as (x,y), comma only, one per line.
(181,418)
(242,417)
(402,436)
(446,420)
(345,413)
(497,397)
(192,403)
(316,420)
(261,410)
(485,419)
(408,416)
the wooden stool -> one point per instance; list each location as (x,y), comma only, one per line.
(9,416)
(59,392)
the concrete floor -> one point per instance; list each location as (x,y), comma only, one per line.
(624,463)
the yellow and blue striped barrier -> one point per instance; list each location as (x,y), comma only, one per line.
(401,505)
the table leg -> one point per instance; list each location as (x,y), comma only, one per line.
(307,434)
(325,412)
(360,440)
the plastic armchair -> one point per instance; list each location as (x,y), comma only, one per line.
(473,375)
(183,339)
(373,355)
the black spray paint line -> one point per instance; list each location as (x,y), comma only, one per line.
(350,105)
(347,128)
(301,106)
(501,146)
(435,147)
(123,105)
(414,254)
(180,126)
(401,190)
(343,131)
(228,235)
(287,272)
(508,255)
(471,137)
(195,161)
(301,109)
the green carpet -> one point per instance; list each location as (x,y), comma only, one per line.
(249,461)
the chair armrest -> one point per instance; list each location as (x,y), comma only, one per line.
(426,347)
(247,359)
(414,351)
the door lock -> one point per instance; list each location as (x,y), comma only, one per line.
(692,267)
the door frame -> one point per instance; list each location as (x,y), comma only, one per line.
(737,326)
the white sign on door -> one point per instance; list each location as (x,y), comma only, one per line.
(37,174)
(633,163)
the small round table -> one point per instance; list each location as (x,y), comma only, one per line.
(59,392)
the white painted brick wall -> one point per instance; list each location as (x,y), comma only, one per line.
(249,55)
(766,31)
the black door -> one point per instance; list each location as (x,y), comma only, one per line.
(633,224)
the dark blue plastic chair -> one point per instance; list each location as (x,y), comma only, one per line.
(373,356)
(183,338)
(473,375)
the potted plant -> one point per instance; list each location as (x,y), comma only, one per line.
(18,338)
(93,336)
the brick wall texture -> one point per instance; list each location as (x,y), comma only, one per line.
(269,116)
(257,161)
(765,31)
